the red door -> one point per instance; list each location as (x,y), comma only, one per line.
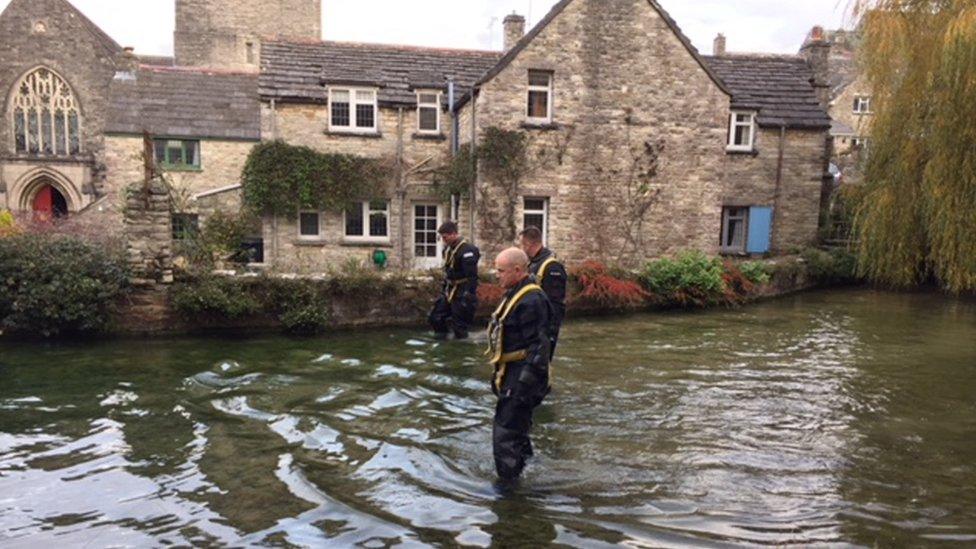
(44,203)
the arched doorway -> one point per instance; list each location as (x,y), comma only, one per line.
(49,203)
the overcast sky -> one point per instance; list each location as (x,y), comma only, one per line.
(750,25)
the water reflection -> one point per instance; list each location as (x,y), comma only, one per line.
(825,418)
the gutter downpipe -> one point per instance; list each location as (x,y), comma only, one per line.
(474,163)
(779,184)
(401,190)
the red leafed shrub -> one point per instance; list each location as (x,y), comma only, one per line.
(490,294)
(597,286)
(737,285)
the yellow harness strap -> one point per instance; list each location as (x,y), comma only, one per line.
(496,335)
(449,258)
(541,273)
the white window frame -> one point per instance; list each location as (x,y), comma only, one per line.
(549,95)
(367,210)
(544,212)
(862,104)
(354,101)
(436,106)
(302,236)
(735,123)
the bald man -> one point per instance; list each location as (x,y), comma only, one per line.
(519,347)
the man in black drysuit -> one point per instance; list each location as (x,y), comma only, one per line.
(519,348)
(456,306)
(549,273)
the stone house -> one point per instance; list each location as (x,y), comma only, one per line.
(638,145)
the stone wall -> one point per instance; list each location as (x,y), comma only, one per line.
(42,33)
(228,33)
(149,234)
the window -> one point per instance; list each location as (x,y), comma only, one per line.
(536,214)
(352,110)
(368,220)
(734,226)
(250,53)
(309,224)
(429,112)
(185,226)
(177,153)
(46,118)
(860,143)
(862,104)
(540,97)
(742,131)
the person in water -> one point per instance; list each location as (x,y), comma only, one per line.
(549,273)
(456,306)
(519,347)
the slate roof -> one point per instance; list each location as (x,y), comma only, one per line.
(301,70)
(180,102)
(778,86)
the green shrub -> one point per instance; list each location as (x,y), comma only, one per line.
(54,284)
(215,297)
(692,279)
(308,319)
(757,272)
(829,267)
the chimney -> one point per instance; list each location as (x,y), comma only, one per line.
(127,63)
(718,47)
(514,30)
(816,50)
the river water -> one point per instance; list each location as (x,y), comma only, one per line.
(829,418)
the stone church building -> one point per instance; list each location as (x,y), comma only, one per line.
(639,146)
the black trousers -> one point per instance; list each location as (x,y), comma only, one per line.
(459,313)
(523,389)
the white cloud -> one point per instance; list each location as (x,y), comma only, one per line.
(750,25)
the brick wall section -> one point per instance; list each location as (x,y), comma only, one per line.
(70,49)
(215,33)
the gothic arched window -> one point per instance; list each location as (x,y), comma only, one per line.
(46,118)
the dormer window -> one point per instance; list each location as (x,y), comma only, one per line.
(352,110)
(862,104)
(742,131)
(428,112)
(540,97)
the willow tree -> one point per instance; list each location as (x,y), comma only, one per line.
(918,219)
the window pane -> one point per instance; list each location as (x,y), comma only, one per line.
(309,224)
(537,204)
(427,99)
(20,130)
(537,221)
(365,117)
(377,224)
(340,96)
(428,119)
(60,145)
(539,78)
(538,104)
(33,133)
(340,109)
(367,96)
(174,153)
(354,220)
(74,139)
(47,131)
(190,151)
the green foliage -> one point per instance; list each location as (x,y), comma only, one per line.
(692,278)
(504,155)
(8,225)
(52,285)
(279,178)
(916,221)
(831,267)
(757,272)
(214,297)
(457,177)
(221,237)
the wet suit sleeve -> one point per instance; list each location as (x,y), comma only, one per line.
(533,317)
(470,256)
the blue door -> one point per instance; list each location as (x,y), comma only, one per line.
(760,229)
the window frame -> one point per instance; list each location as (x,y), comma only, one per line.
(166,163)
(734,124)
(544,212)
(862,104)
(548,89)
(303,236)
(43,104)
(188,222)
(367,210)
(726,217)
(354,102)
(436,105)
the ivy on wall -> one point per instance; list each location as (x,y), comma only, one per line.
(279,178)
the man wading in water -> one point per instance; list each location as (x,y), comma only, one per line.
(549,273)
(459,301)
(519,348)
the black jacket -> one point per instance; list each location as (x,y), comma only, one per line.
(528,326)
(461,266)
(554,283)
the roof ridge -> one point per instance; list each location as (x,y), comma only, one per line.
(757,55)
(197,70)
(403,47)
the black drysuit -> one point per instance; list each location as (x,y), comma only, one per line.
(553,280)
(459,301)
(522,383)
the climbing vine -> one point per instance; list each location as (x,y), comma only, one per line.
(280,178)
(504,160)
(456,176)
